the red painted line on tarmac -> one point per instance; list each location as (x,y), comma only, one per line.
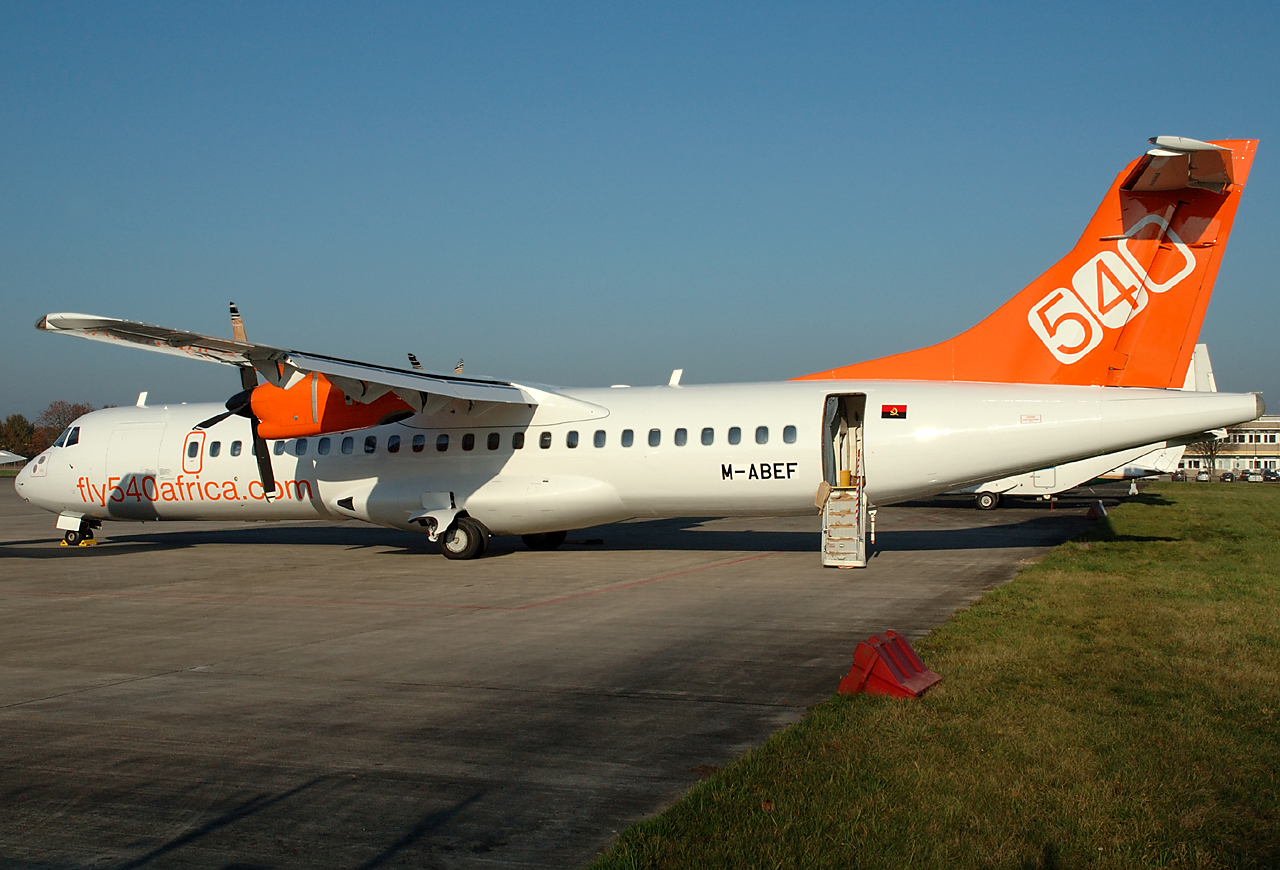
(341,602)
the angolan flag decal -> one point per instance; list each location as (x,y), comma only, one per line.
(893,412)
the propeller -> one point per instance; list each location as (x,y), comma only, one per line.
(241,404)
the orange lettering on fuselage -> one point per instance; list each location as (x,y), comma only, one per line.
(313,406)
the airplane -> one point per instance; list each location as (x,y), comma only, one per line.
(1086,360)
(7,458)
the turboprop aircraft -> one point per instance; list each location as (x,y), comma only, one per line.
(1085,361)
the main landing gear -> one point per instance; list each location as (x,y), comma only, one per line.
(465,539)
(986,501)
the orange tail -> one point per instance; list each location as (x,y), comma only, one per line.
(1124,308)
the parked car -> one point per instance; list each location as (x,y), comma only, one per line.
(1253,476)
(1226,477)
(1203,475)
(1180,474)
(1270,475)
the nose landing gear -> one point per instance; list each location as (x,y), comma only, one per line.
(80,537)
(987,501)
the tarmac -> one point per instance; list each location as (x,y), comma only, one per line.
(237,695)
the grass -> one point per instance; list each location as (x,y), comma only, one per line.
(1117,705)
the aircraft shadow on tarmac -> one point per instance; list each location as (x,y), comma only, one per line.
(428,825)
(668,534)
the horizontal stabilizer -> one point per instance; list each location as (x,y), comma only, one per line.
(1177,163)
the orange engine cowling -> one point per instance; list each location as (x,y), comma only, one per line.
(314,406)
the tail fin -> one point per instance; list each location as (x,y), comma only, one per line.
(1124,308)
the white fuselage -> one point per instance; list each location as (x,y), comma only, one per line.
(138,463)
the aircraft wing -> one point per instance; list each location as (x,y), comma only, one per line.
(7,458)
(364,382)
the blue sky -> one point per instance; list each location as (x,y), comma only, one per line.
(586,194)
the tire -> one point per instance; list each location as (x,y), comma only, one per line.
(986,501)
(73,538)
(544,540)
(465,539)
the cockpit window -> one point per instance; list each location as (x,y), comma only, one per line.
(61,438)
(73,436)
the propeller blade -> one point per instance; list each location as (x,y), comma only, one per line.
(237,325)
(214,420)
(262,453)
(248,377)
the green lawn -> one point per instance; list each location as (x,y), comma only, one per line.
(1117,705)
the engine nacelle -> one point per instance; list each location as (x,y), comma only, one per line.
(314,406)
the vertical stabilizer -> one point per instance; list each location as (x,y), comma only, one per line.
(1124,308)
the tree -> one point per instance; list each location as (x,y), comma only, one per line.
(52,420)
(17,435)
(1207,451)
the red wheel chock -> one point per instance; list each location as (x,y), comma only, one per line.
(887,667)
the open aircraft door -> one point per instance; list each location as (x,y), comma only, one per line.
(843,494)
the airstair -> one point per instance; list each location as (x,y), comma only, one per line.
(842,496)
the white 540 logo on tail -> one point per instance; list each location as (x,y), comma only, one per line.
(1105,293)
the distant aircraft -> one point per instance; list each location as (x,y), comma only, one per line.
(7,458)
(1085,361)
(1133,464)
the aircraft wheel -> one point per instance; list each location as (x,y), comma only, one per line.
(73,538)
(986,501)
(544,540)
(465,539)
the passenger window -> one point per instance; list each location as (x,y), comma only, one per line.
(735,435)
(517,441)
(302,447)
(544,440)
(762,434)
(628,437)
(442,442)
(193,450)
(655,437)
(598,440)
(73,437)
(215,448)
(323,447)
(279,449)
(708,436)
(571,440)
(419,442)
(348,444)
(682,437)
(393,444)
(469,441)
(789,435)
(235,448)
(494,441)
(370,443)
